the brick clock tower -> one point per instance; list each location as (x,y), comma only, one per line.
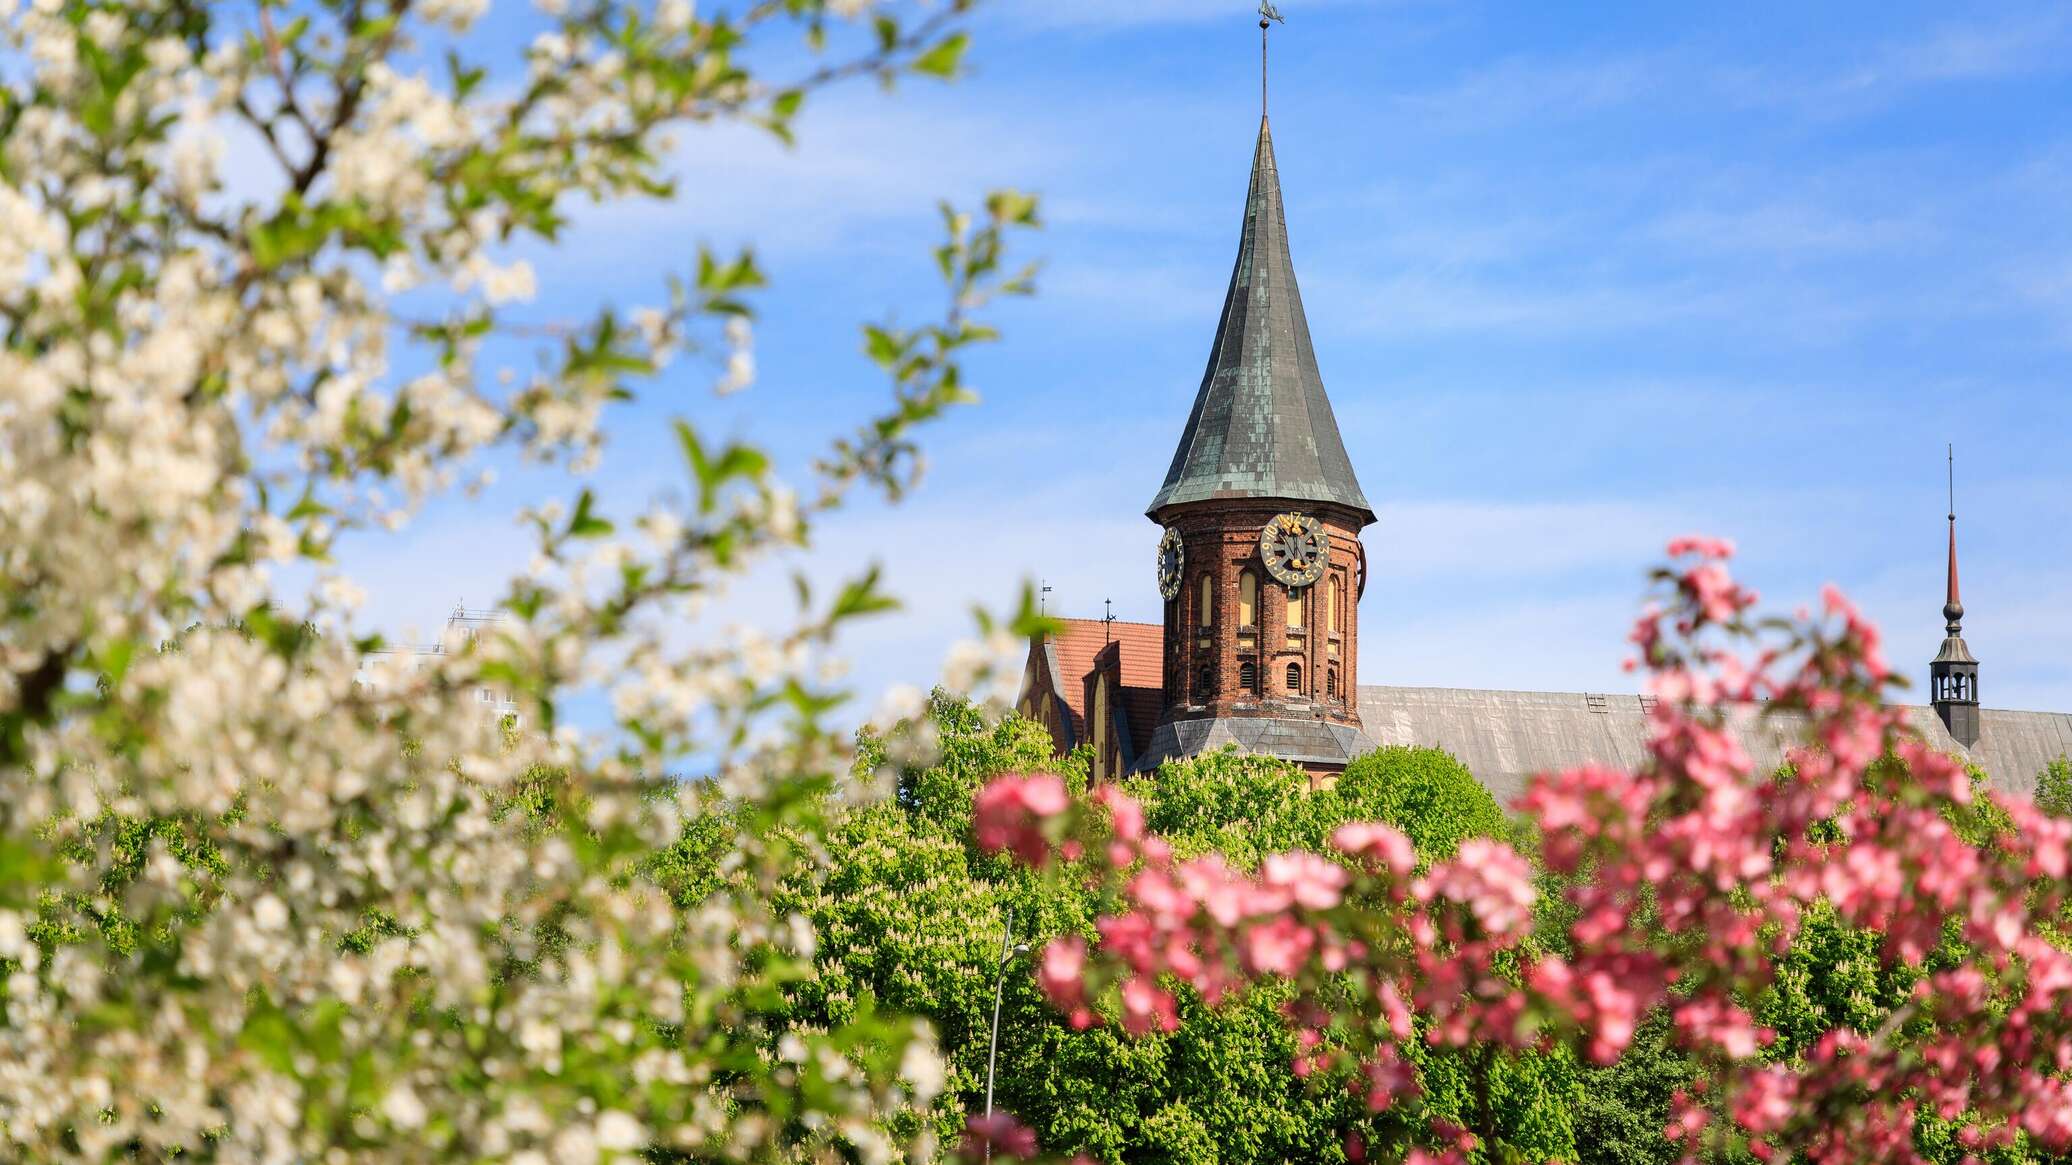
(1260,561)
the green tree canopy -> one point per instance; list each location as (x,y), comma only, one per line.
(911,918)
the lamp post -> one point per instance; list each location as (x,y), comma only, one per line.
(1008,950)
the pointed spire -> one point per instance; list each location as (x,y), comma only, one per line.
(1262,426)
(1953,606)
(1953,674)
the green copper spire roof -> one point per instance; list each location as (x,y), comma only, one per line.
(1262,426)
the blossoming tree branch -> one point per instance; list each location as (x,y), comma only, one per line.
(252,910)
(1683,883)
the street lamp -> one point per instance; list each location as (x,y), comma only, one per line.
(1008,950)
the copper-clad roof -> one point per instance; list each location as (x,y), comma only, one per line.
(1261,425)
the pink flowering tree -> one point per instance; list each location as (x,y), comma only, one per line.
(1683,885)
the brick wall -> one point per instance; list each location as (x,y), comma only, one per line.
(1222,541)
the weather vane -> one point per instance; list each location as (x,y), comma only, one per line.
(1268,17)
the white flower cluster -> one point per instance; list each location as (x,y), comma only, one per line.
(268,912)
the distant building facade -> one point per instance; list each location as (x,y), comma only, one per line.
(379,670)
(1261,568)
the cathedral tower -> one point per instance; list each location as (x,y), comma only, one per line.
(1953,676)
(1260,562)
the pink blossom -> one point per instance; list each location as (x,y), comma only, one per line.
(1389,1078)
(1689,876)
(1125,815)
(1147,1007)
(1009,814)
(1314,882)
(1001,1133)
(1493,880)
(1383,844)
(1277,946)
(1061,970)
(1701,546)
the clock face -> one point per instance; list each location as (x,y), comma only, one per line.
(1295,548)
(1172,558)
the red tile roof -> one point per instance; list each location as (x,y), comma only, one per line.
(1079,643)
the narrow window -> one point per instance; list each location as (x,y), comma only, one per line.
(1331,682)
(1204,682)
(1294,677)
(1100,719)
(1295,608)
(1206,614)
(1247,599)
(1336,600)
(1248,677)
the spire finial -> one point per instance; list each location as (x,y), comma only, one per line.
(1268,16)
(1953,606)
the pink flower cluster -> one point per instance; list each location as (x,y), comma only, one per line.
(1686,879)
(1009,814)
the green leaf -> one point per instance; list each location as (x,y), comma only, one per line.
(713,473)
(585,523)
(944,59)
(861,597)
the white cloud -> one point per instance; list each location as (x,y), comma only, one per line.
(1528,89)
(861,164)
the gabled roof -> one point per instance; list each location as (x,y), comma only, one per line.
(1141,647)
(1142,698)
(1261,425)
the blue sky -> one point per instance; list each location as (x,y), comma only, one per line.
(1579,280)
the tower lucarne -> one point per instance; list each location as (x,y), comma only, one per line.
(1260,560)
(1953,674)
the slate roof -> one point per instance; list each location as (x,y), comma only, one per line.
(1505,737)
(1306,742)
(1261,426)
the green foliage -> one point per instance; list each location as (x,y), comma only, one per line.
(1424,792)
(911,918)
(1625,1105)
(2054,788)
(968,751)
(1245,807)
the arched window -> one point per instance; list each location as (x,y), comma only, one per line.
(1335,601)
(1100,726)
(1294,677)
(1247,599)
(1295,606)
(1248,677)
(1204,683)
(1206,604)
(1331,682)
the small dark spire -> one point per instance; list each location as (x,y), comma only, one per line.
(1953,606)
(1953,675)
